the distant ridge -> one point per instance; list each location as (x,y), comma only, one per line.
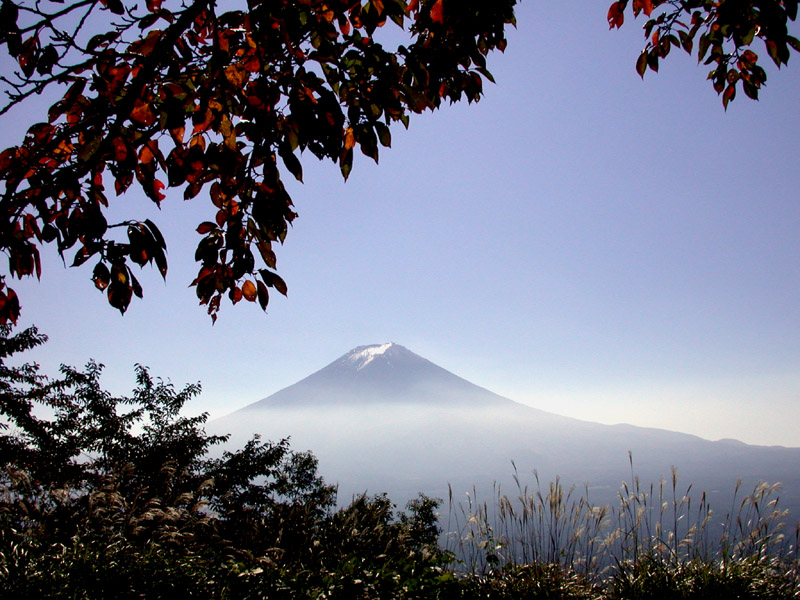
(381,374)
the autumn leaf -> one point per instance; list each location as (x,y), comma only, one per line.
(143,114)
(437,12)
(641,64)
(120,149)
(206,227)
(236,75)
(249,291)
(616,16)
(349,139)
(234,97)
(730,94)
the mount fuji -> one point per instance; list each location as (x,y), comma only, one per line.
(383,419)
(380,375)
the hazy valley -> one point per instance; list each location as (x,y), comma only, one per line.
(383,419)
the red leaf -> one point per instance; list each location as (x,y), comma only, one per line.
(749,58)
(437,12)
(729,95)
(205,227)
(157,187)
(143,114)
(27,55)
(7,157)
(147,45)
(120,149)
(9,306)
(615,15)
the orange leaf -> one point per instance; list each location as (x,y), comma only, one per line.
(177,134)
(63,150)
(146,155)
(349,139)
(249,291)
(236,75)
(437,12)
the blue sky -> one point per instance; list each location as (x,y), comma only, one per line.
(582,241)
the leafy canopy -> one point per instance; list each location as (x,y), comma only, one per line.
(222,101)
(217,103)
(726,28)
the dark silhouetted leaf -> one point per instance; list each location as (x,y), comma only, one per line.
(101,276)
(641,64)
(116,7)
(263,295)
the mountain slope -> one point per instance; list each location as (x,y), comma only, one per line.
(383,419)
(381,374)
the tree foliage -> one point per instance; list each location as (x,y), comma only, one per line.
(163,94)
(107,497)
(223,103)
(724,30)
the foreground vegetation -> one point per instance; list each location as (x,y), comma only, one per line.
(105,497)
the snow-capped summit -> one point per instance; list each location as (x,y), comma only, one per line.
(385,373)
(363,355)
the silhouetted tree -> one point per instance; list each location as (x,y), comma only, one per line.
(104,496)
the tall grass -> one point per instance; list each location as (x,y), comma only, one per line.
(655,537)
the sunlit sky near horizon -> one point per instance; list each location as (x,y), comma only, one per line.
(581,240)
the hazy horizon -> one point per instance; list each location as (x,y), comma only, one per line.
(382,419)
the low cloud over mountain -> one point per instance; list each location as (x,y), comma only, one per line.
(383,419)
